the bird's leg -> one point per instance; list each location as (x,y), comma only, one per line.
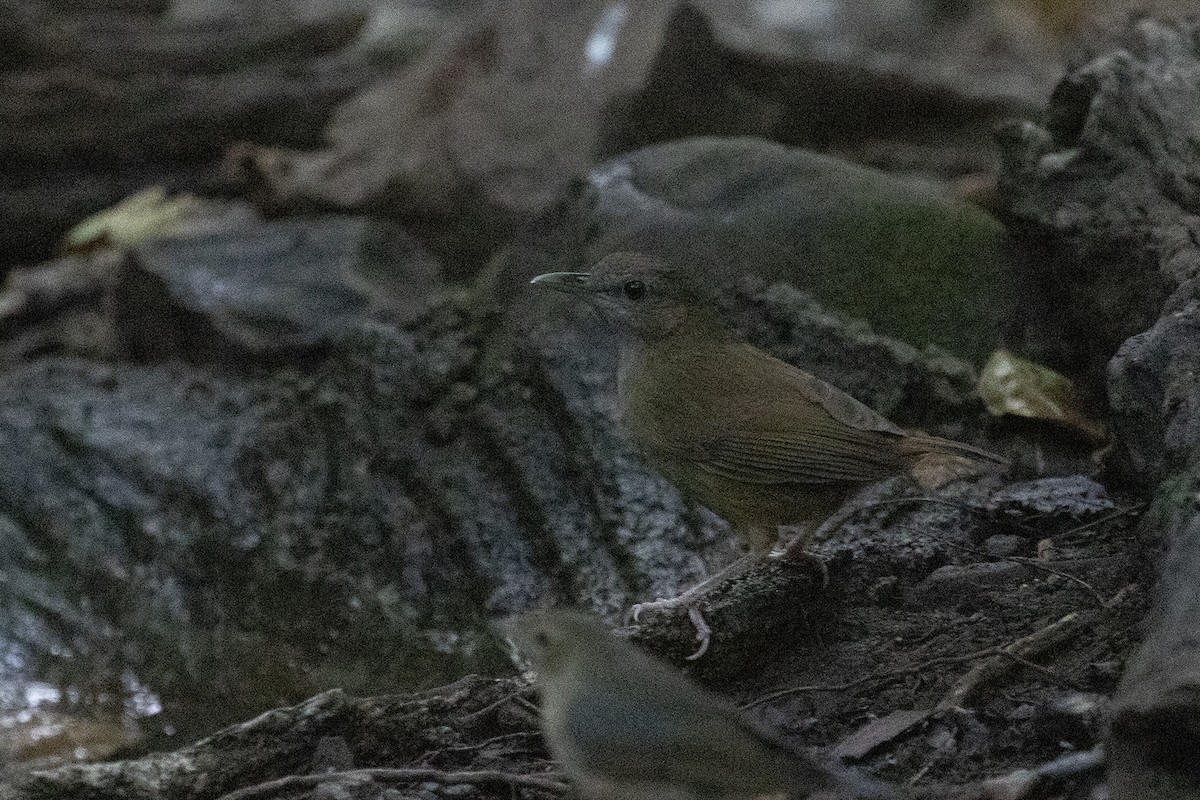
(797,551)
(691,598)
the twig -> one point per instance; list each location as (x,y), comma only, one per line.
(474,715)
(1121,595)
(467,748)
(875,676)
(1018,784)
(1120,512)
(1038,565)
(1021,783)
(270,788)
(1018,652)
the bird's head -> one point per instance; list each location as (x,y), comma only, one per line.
(638,293)
(551,639)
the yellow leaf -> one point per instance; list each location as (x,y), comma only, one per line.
(149,214)
(1009,384)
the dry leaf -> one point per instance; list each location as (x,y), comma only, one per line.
(1009,384)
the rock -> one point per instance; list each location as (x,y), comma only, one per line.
(958,584)
(918,265)
(1109,190)
(57,308)
(498,118)
(920,388)
(159,522)
(1152,391)
(486,126)
(273,291)
(1004,545)
(410,484)
(1112,255)
(901,86)
(104,104)
(1047,505)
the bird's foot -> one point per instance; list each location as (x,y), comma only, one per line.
(703,632)
(794,555)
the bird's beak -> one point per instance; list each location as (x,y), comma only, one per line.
(570,282)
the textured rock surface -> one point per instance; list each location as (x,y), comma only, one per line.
(415,482)
(1109,187)
(263,294)
(366,517)
(226,535)
(97,106)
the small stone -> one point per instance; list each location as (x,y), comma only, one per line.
(955,583)
(1068,499)
(885,590)
(1003,545)
(1024,712)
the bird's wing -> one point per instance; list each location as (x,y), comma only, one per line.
(809,456)
(839,405)
(784,425)
(639,740)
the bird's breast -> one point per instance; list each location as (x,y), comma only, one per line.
(666,395)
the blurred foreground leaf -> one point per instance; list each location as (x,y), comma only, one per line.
(150,215)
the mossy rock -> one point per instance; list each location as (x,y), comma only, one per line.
(916,263)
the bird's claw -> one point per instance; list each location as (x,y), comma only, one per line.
(703,632)
(634,616)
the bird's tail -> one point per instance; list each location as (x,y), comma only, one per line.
(934,461)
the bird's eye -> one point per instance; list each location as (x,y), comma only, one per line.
(634,289)
(541,639)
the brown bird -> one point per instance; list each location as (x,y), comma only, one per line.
(756,440)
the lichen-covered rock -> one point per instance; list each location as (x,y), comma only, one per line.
(1109,190)
(1107,193)
(270,292)
(358,524)
(1059,501)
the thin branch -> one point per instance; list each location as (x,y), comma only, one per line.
(1019,651)
(474,715)
(270,788)
(1120,512)
(1019,784)
(875,676)
(468,748)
